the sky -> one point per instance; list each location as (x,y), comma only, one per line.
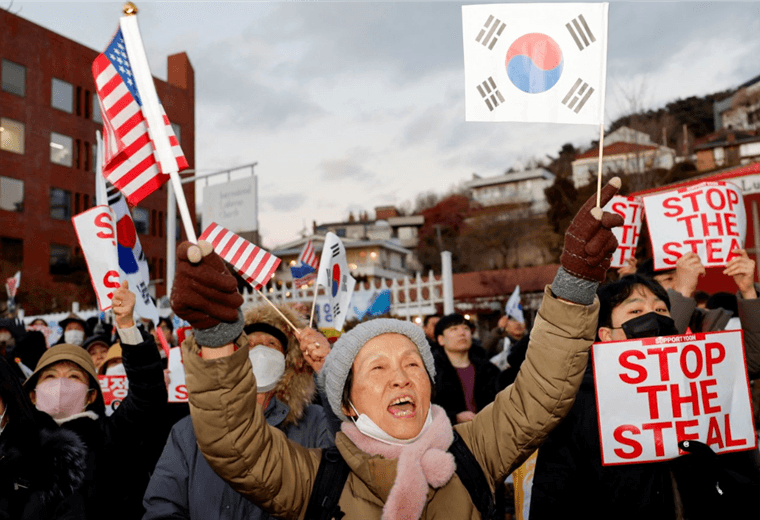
(346,106)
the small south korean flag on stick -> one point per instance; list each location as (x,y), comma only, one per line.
(542,63)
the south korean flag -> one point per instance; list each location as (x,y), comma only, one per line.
(535,62)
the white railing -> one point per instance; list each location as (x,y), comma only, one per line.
(410,297)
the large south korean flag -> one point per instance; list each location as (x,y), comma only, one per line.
(535,62)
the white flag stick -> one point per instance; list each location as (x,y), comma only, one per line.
(152,111)
(101,197)
(314,303)
(278,311)
(604,96)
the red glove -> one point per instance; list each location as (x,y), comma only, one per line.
(204,291)
(589,242)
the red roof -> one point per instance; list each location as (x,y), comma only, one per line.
(501,282)
(616,149)
(727,175)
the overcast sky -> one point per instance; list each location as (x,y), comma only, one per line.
(347,106)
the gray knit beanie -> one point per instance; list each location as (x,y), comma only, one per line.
(341,358)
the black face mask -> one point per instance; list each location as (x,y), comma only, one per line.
(650,325)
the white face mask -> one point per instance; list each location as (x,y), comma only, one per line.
(74,337)
(268,367)
(116,370)
(368,427)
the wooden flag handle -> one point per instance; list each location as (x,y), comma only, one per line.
(295,330)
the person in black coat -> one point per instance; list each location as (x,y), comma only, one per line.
(465,382)
(41,465)
(65,385)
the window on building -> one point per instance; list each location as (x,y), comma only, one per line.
(62,95)
(79,101)
(60,204)
(12,251)
(11,194)
(13,78)
(60,259)
(141,218)
(96,116)
(177,132)
(341,232)
(61,149)
(11,135)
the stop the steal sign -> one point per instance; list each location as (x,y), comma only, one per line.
(652,393)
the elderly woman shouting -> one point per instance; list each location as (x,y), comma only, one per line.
(377,378)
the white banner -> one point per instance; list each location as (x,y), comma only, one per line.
(632,211)
(96,232)
(652,393)
(232,205)
(535,62)
(707,218)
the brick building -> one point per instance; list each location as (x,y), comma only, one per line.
(49,114)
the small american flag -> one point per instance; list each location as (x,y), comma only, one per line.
(129,152)
(12,283)
(306,270)
(255,265)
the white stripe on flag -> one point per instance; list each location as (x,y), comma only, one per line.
(105,76)
(215,231)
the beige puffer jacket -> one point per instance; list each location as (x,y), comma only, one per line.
(260,463)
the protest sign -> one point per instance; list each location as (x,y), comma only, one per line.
(652,393)
(114,389)
(96,233)
(177,388)
(707,219)
(632,211)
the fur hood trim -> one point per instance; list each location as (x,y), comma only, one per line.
(62,459)
(296,387)
(89,414)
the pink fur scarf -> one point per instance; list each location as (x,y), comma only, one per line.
(421,463)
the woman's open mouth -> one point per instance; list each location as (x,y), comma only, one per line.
(402,407)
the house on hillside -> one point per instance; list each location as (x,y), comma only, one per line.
(523,188)
(625,150)
(727,148)
(741,111)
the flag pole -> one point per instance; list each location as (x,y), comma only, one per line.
(278,311)
(314,303)
(152,110)
(605,8)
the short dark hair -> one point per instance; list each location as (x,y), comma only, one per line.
(701,296)
(450,320)
(613,294)
(647,269)
(426,319)
(168,323)
(724,300)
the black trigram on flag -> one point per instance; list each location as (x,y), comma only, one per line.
(580,32)
(335,248)
(490,94)
(487,36)
(578,95)
(336,309)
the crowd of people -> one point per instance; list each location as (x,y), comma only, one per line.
(393,420)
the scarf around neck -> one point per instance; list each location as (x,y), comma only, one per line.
(423,463)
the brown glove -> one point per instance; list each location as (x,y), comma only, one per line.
(589,242)
(204,292)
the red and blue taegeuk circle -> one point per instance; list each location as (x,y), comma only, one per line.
(335,280)
(534,63)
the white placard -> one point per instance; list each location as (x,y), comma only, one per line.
(232,205)
(652,393)
(632,211)
(707,218)
(177,389)
(96,232)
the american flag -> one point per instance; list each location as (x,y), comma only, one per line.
(306,270)
(129,152)
(255,265)
(12,283)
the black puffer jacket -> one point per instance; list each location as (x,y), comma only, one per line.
(117,467)
(41,466)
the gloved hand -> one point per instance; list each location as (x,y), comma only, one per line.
(589,244)
(205,294)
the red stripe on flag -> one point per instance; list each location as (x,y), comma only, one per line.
(146,189)
(239,252)
(231,242)
(249,260)
(209,230)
